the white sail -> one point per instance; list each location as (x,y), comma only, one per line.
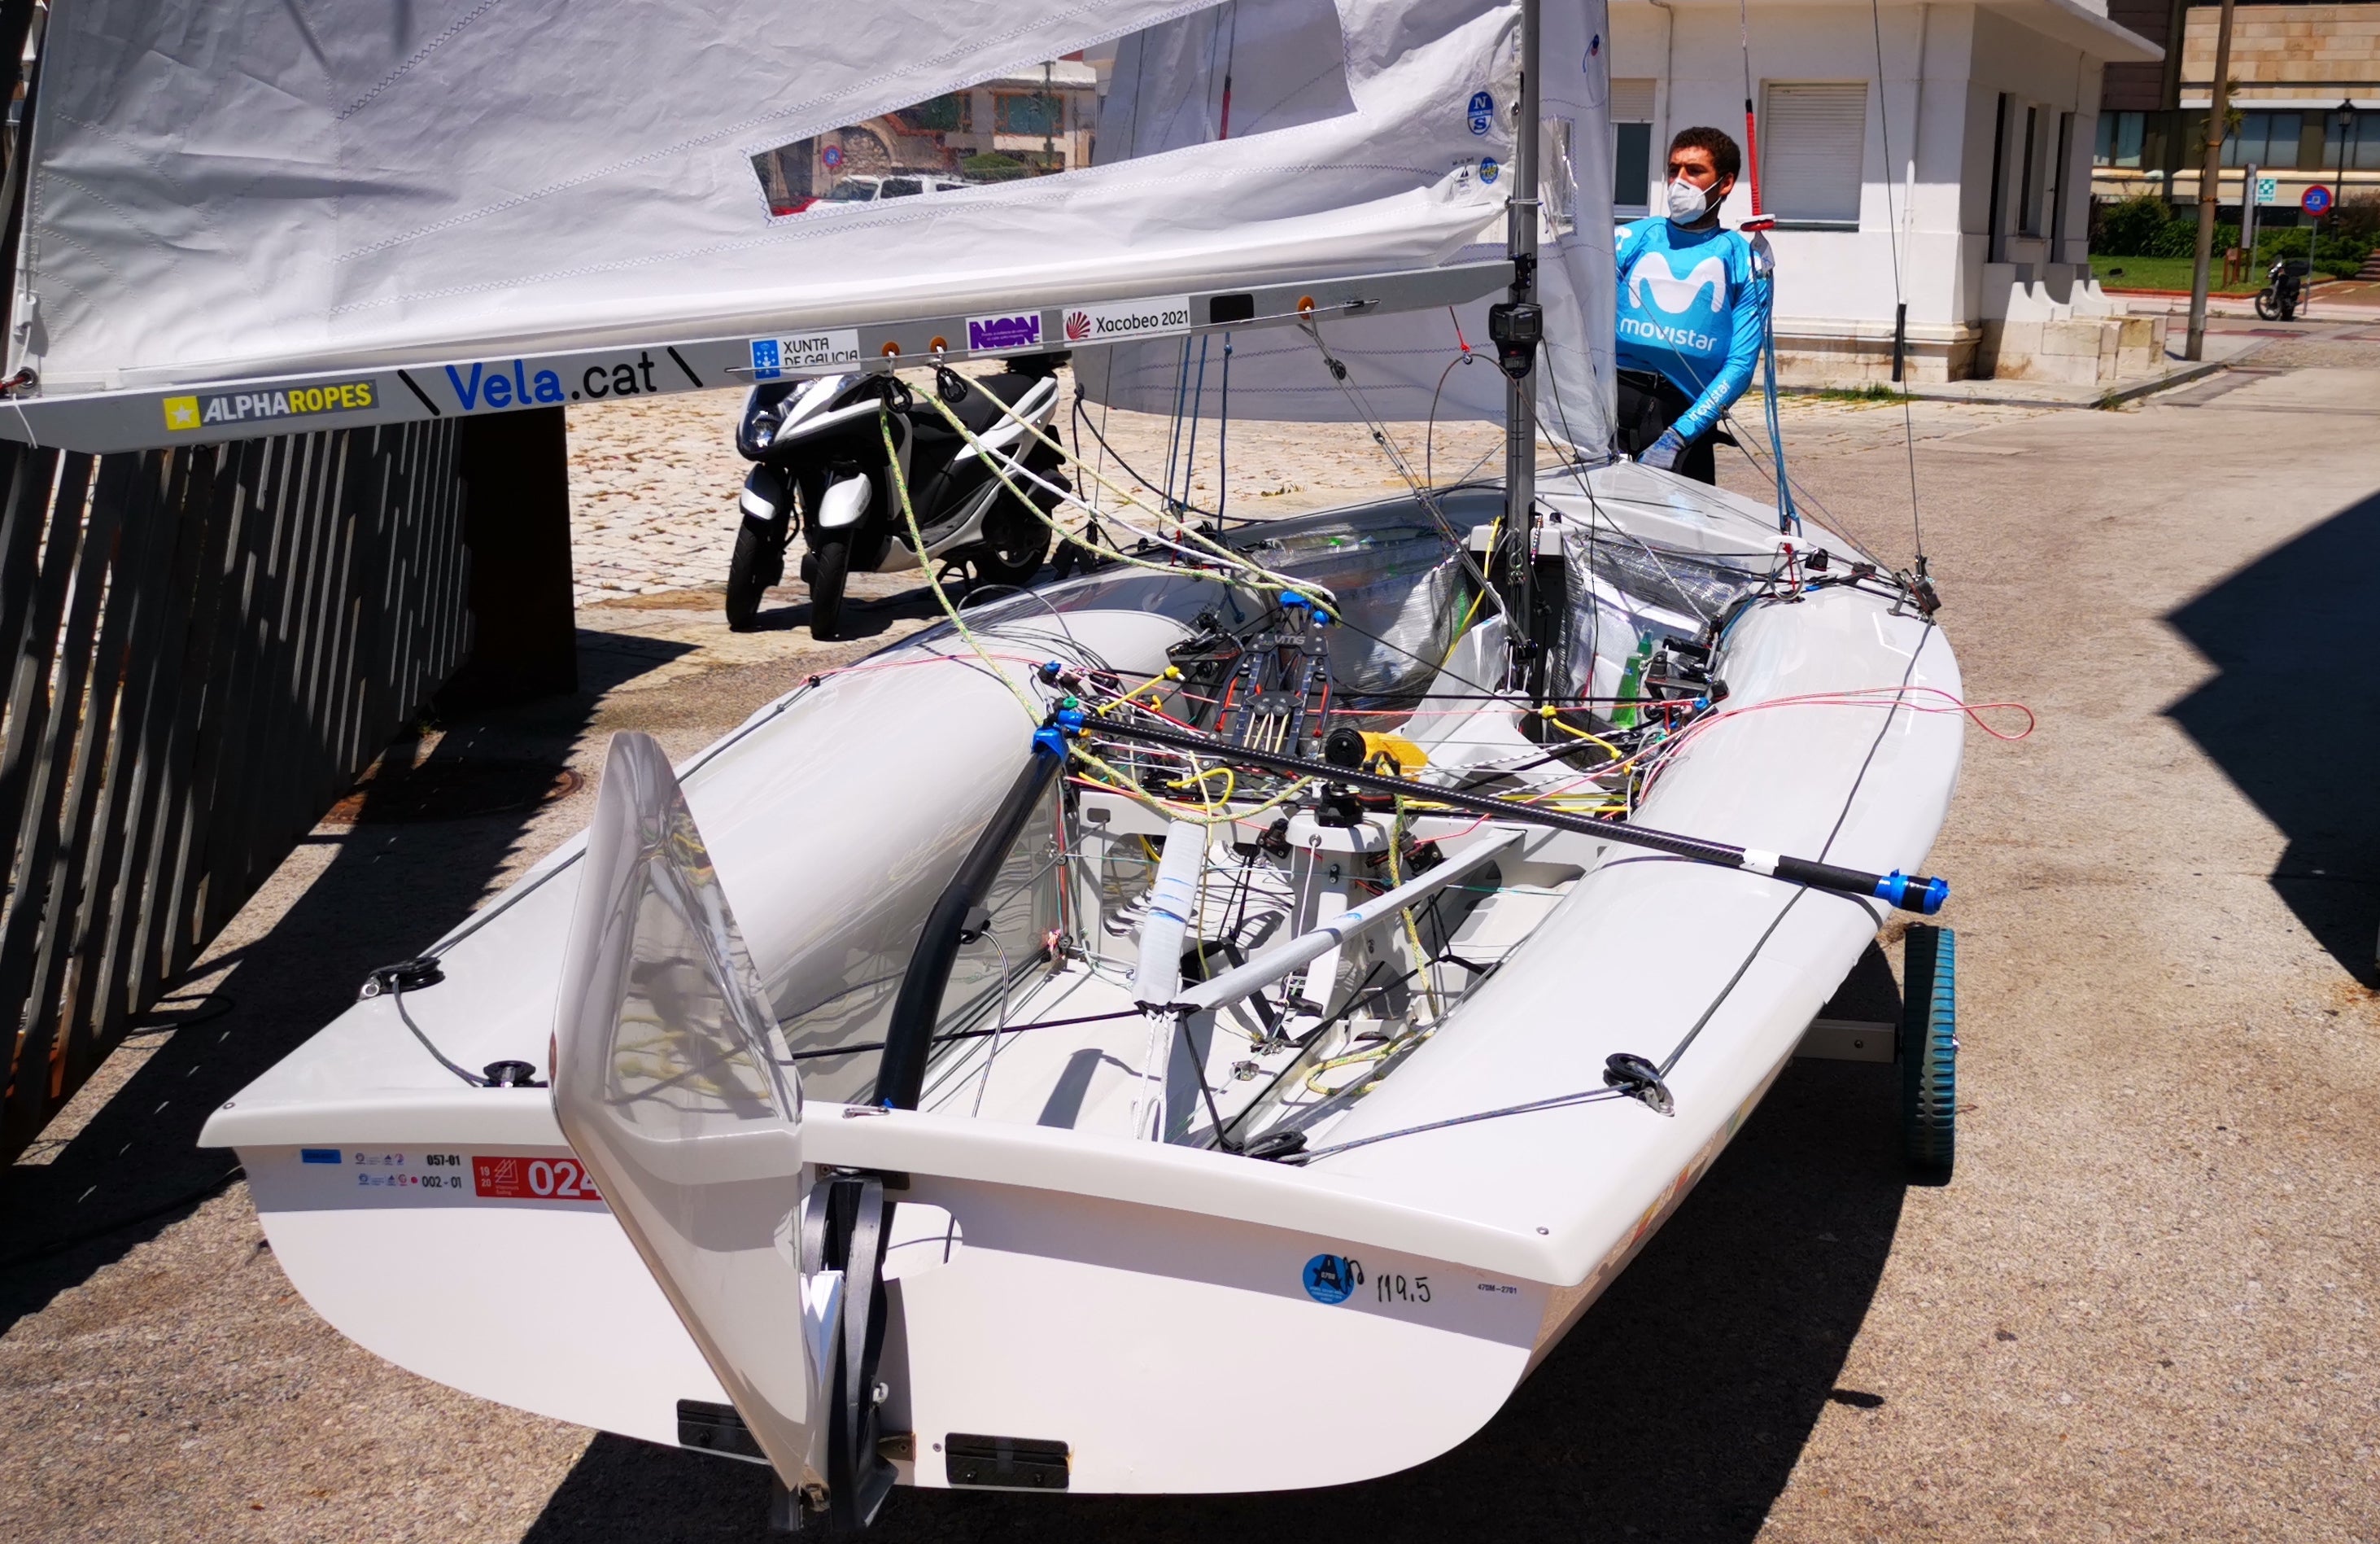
(1398,364)
(242,187)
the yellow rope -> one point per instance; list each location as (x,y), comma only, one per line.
(1413,933)
(1119,784)
(925,566)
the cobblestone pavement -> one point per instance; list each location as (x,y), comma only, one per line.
(654,483)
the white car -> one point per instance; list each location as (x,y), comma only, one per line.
(898,185)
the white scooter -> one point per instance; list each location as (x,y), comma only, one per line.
(820,449)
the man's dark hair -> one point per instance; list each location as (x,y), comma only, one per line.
(1724,154)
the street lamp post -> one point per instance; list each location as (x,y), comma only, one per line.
(2345,126)
(2346,111)
(2210,169)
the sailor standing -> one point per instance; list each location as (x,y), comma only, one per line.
(1692,309)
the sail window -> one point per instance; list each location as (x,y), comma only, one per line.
(1224,73)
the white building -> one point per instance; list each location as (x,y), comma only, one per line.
(1965,158)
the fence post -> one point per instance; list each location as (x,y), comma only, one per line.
(516,471)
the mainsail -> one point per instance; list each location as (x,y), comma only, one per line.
(241,189)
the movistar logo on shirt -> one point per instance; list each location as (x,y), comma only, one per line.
(1686,340)
(1674,311)
(1674,294)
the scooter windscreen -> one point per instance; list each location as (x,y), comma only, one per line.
(775,409)
(764,406)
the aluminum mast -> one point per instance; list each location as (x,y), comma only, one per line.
(1516,327)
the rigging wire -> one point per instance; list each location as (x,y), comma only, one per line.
(1190,443)
(1824,850)
(1591,1096)
(1003,462)
(1223,411)
(1109,453)
(1892,221)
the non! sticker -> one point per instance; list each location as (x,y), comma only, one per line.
(991,334)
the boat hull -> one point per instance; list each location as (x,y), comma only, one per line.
(1060,1285)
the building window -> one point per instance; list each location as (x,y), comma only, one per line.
(1813,143)
(2059,164)
(1018,112)
(2028,207)
(2266,139)
(1632,146)
(2119,139)
(2361,141)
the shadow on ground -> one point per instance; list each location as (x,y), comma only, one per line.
(863,617)
(402,877)
(1676,1410)
(2292,717)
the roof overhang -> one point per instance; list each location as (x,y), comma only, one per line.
(2077,26)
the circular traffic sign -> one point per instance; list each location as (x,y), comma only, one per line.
(832,156)
(2316,200)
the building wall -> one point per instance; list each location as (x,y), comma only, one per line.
(1928,202)
(2144,88)
(2296,62)
(2283,52)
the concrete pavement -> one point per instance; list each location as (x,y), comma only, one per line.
(2143,1309)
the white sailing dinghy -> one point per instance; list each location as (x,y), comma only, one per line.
(1342,944)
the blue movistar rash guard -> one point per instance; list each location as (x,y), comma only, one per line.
(1692,309)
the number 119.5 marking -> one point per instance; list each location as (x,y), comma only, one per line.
(1401,1289)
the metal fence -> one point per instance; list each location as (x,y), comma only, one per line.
(207,644)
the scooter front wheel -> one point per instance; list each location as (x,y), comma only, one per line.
(834,563)
(2264,306)
(758,561)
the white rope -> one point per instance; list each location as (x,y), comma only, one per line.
(1001,461)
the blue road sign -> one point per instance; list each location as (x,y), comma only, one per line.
(2316,201)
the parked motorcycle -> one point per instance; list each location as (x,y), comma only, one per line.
(2284,289)
(819,454)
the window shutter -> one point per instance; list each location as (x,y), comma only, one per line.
(1813,140)
(1632,101)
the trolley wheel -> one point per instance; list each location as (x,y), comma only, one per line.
(1929,1051)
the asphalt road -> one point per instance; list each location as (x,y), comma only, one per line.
(2142,1310)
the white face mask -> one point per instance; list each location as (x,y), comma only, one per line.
(1687,201)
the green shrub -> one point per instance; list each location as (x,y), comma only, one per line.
(2338,254)
(2132,229)
(2145,225)
(993,166)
